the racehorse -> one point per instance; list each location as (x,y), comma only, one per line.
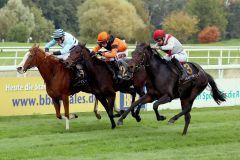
(57,78)
(164,85)
(96,69)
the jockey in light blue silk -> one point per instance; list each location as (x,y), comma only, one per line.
(63,39)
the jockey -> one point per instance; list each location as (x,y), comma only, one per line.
(117,50)
(173,49)
(63,39)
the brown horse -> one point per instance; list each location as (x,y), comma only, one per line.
(80,54)
(57,78)
(164,85)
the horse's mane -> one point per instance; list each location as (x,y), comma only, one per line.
(94,58)
(154,52)
(49,58)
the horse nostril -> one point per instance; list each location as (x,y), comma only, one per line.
(19,68)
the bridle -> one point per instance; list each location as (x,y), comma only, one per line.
(30,57)
(141,63)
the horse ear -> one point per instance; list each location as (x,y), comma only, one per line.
(82,44)
(37,45)
(34,45)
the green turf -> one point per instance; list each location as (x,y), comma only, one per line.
(214,133)
(232,42)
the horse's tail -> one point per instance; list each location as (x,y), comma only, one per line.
(217,95)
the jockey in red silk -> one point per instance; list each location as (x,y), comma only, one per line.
(63,39)
(173,49)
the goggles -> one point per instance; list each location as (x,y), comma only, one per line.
(102,43)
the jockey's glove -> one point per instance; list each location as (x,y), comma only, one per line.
(57,53)
(100,53)
(46,49)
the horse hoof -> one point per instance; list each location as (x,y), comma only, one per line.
(76,116)
(113,126)
(117,115)
(171,121)
(161,118)
(184,134)
(120,123)
(133,115)
(98,116)
(138,119)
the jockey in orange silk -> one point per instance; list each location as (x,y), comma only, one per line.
(117,52)
(116,47)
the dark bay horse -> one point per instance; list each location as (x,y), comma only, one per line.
(102,78)
(164,85)
(57,78)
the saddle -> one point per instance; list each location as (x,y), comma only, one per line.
(188,66)
(120,70)
(80,77)
(192,72)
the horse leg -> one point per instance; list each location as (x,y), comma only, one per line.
(115,109)
(133,94)
(95,110)
(187,122)
(137,116)
(57,106)
(111,103)
(66,111)
(162,100)
(106,105)
(144,99)
(186,108)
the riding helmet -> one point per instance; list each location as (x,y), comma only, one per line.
(58,33)
(103,36)
(158,34)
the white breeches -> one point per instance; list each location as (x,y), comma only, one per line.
(181,57)
(64,56)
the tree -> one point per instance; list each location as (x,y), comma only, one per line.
(61,12)
(181,25)
(233,27)
(104,15)
(7,20)
(209,12)
(142,11)
(2,3)
(209,34)
(43,28)
(159,9)
(18,32)
(21,15)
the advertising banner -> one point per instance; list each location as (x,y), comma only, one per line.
(27,96)
(230,87)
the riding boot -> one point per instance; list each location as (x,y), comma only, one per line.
(79,72)
(112,67)
(184,74)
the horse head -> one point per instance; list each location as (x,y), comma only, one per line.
(139,54)
(30,59)
(76,55)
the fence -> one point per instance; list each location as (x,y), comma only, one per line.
(217,58)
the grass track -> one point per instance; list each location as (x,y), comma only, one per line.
(214,133)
